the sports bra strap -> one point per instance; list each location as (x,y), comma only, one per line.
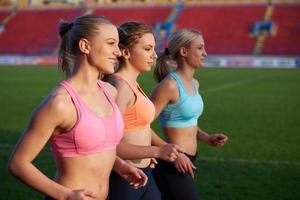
(70,91)
(180,85)
(106,93)
(135,88)
(76,100)
(195,86)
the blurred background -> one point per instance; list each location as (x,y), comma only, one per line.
(233,29)
(250,85)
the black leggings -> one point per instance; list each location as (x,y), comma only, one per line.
(174,185)
(119,188)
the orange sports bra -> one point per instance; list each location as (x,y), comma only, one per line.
(141,113)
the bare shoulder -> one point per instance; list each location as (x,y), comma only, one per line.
(166,91)
(125,95)
(58,101)
(168,84)
(54,111)
(120,84)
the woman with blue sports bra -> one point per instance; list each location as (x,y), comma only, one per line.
(179,105)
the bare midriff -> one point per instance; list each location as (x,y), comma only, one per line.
(139,137)
(184,137)
(90,172)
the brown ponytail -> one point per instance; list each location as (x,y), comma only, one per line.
(65,58)
(161,69)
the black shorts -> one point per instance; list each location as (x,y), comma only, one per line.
(119,188)
(174,185)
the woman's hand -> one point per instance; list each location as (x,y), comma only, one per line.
(183,164)
(218,140)
(153,163)
(169,152)
(81,194)
(135,176)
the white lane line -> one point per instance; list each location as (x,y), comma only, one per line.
(238,83)
(250,161)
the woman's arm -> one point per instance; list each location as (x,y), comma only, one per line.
(164,93)
(136,177)
(44,121)
(48,117)
(156,140)
(168,152)
(128,151)
(217,140)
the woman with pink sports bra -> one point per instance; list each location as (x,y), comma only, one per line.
(80,119)
(139,143)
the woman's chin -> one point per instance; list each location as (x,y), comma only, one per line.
(109,71)
(146,69)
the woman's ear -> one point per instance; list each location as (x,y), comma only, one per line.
(183,51)
(84,46)
(125,53)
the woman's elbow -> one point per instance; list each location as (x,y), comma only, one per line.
(13,166)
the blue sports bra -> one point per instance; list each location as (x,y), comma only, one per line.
(185,112)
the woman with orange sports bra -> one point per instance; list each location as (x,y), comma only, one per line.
(137,45)
(80,118)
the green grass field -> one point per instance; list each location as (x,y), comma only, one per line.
(257,108)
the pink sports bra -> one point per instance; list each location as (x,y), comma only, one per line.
(91,133)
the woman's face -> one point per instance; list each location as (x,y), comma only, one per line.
(196,52)
(142,54)
(104,49)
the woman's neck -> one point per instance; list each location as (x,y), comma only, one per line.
(130,73)
(84,76)
(186,72)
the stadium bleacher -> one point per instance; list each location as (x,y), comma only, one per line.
(3,14)
(150,15)
(226,28)
(287,39)
(33,31)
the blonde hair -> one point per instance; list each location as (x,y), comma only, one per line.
(70,33)
(179,39)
